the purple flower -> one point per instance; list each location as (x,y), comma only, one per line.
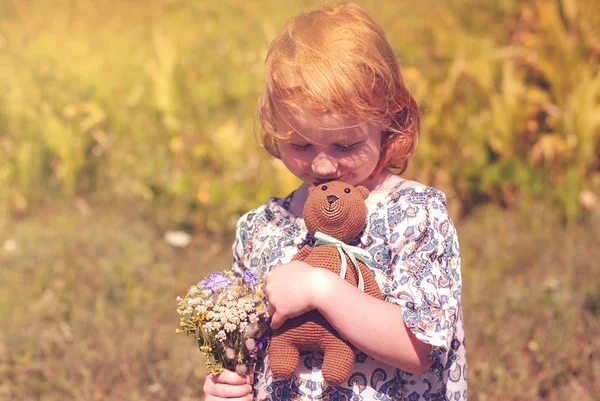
(264,339)
(214,281)
(250,278)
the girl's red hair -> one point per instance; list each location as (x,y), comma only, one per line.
(338,60)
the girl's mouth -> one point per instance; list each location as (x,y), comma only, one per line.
(323,181)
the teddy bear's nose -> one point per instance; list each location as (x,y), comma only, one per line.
(331,198)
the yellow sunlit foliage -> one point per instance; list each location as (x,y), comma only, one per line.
(155,100)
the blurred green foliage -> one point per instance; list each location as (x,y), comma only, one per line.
(155,100)
(511,98)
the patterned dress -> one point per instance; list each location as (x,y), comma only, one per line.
(416,263)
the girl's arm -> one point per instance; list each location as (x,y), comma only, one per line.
(374,326)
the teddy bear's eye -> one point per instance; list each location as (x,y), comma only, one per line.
(324,187)
(347,190)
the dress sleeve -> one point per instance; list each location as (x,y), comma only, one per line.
(241,244)
(426,270)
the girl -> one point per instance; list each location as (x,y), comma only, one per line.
(335,107)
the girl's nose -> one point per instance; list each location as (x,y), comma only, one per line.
(324,165)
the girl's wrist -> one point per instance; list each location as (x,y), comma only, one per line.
(323,282)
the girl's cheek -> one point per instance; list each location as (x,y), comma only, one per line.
(295,165)
(298,161)
(355,161)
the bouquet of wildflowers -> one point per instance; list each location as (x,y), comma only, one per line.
(227,316)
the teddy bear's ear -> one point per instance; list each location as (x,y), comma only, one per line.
(311,188)
(363,191)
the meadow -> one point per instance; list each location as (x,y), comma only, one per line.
(121,121)
(87,307)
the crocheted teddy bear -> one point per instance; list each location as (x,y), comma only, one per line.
(335,214)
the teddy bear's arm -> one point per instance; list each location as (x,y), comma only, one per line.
(303,253)
(371,286)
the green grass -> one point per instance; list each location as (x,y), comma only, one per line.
(531,303)
(87,305)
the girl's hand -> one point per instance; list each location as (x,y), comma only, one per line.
(292,290)
(228,385)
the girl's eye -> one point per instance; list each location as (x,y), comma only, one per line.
(348,148)
(300,147)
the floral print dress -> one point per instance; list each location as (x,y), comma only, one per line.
(416,263)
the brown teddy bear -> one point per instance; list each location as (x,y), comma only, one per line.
(335,214)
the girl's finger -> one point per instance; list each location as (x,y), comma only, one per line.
(244,398)
(250,377)
(271,309)
(227,377)
(229,391)
(276,321)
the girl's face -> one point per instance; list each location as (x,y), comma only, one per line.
(317,155)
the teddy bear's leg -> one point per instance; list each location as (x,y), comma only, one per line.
(337,361)
(283,356)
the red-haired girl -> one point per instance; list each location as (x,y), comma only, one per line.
(334,107)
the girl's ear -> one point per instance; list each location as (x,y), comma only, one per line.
(388,120)
(363,191)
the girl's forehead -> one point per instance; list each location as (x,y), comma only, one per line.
(320,126)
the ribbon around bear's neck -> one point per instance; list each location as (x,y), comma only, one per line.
(353,253)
